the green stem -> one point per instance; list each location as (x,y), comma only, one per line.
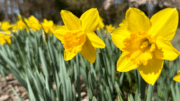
(142,88)
(150,92)
(78,85)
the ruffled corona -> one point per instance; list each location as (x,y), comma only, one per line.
(73,42)
(141,51)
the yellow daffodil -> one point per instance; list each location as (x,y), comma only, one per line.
(33,23)
(5,38)
(19,17)
(21,25)
(101,24)
(146,43)
(14,28)
(77,35)
(177,77)
(5,26)
(109,28)
(48,26)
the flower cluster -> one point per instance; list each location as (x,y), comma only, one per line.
(145,42)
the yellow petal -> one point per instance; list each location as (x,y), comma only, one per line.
(137,21)
(68,55)
(124,64)
(88,51)
(118,36)
(70,20)
(177,77)
(60,32)
(2,40)
(95,40)
(165,50)
(152,70)
(164,23)
(90,20)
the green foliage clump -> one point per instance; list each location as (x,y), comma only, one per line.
(37,63)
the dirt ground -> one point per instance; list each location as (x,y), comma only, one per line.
(6,92)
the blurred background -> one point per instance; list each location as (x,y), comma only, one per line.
(112,11)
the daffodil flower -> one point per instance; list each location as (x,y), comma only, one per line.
(33,23)
(77,35)
(146,42)
(14,28)
(5,26)
(109,28)
(20,24)
(101,24)
(48,26)
(177,77)
(5,38)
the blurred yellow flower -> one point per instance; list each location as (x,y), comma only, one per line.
(101,24)
(19,17)
(33,23)
(14,28)
(109,28)
(20,24)
(77,35)
(177,77)
(48,26)
(146,43)
(5,38)
(124,23)
(5,26)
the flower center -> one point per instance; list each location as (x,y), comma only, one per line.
(73,41)
(139,48)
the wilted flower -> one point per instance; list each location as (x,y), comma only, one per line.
(146,43)
(77,34)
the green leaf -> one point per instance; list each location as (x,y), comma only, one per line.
(18,97)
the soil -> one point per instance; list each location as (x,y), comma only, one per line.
(6,89)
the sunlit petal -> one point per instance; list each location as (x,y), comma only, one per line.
(124,64)
(68,55)
(137,21)
(95,40)
(90,20)
(177,77)
(152,70)
(118,36)
(70,20)
(88,51)
(165,50)
(164,23)
(60,32)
